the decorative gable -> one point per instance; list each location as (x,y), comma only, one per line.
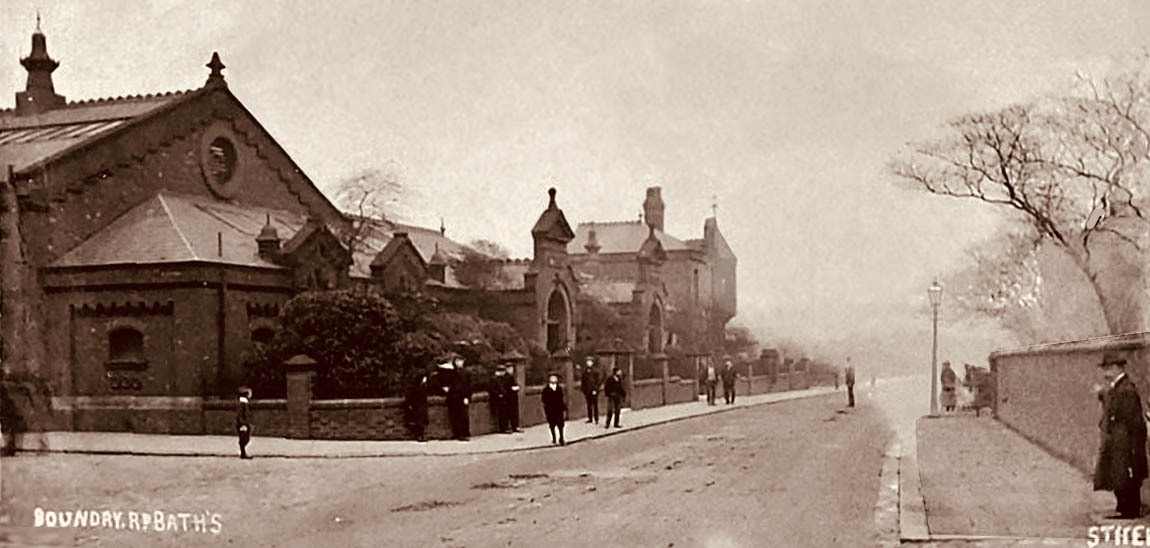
(399,267)
(320,260)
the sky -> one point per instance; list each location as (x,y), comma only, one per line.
(782,113)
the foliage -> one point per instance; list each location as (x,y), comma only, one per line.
(599,324)
(365,345)
(480,265)
(739,341)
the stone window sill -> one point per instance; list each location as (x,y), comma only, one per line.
(126,365)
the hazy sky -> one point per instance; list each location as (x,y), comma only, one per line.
(786,111)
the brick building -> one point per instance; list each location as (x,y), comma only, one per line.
(152,240)
(676,287)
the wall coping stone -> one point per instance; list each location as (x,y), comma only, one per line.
(1129,341)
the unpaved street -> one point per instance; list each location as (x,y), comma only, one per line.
(800,473)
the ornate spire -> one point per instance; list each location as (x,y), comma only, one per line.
(39,93)
(216,76)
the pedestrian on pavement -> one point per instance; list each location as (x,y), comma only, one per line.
(836,374)
(590,385)
(850,380)
(554,407)
(615,392)
(729,376)
(1121,465)
(243,420)
(949,380)
(461,420)
(711,380)
(450,384)
(415,405)
(511,388)
(497,395)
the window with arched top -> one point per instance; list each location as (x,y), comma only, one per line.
(557,321)
(125,346)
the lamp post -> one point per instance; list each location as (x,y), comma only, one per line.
(935,294)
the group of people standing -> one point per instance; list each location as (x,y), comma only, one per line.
(591,383)
(452,381)
(729,376)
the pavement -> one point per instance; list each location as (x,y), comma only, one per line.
(964,480)
(533,437)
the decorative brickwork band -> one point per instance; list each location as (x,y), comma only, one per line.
(141,308)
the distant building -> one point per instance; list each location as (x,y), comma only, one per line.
(688,286)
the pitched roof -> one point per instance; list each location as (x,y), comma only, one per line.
(30,139)
(170,227)
(552,223)
(378,233)
(621,237)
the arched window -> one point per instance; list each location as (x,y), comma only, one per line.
(557,322)
(695,289)
(125,345)
(263,335)
(655,330)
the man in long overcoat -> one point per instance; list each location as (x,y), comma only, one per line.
(730,376)
(590,384)
(554,407)
(616,393)
(1121,465)
(244,421)
(415,405)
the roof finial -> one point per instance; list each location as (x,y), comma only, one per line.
(551,194)
(37,19)
(442,227)
(217,67)
(714,206)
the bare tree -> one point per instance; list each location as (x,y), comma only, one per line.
(1070,167)
(370,195)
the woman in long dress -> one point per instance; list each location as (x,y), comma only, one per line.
(949,398)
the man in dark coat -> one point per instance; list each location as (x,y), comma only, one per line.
(590,384)
(1121,465)
(243,421)
(850,380)
(511,387)
(615,392)
(459,402)
(415,406)
(497,395)
(729,376)
(554,407)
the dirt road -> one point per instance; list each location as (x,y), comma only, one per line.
(802,473)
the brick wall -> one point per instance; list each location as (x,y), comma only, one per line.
(1046,392)
(647,393)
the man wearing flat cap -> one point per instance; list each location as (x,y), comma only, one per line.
(1121,465)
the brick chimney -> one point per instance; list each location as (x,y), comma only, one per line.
(653,207)
(39,94)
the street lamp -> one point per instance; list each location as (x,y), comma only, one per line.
(935,293)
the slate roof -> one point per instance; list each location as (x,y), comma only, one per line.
(30,139)
(173,227)
(621,237)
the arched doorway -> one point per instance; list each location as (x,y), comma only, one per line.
(558,321)
(655,329)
